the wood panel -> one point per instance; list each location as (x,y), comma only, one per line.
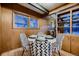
(70,21)
(64,7)
(10,36)
(66,10)
(0,29)
(20,8)
(66,43)
(75,44)
(10,39)
(71,44)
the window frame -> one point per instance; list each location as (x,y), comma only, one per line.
(30,24)
(71,18)
(23,14)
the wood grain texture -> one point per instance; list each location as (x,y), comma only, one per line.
(64,8)
(66,43)
(10,36)
(20,8)
(71,44)
(0,29)
(71,21)
(75,45)
(10,39)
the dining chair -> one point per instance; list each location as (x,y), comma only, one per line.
(24,42)
(59,39)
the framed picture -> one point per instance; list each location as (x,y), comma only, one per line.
(34,23)
(20,20)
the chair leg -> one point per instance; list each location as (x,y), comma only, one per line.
(23,51)
(59,53)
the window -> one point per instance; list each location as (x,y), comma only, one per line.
(75,21)
(67,24)
(33,23)
(64,23)
(20,21)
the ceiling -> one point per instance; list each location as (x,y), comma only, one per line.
(42,8)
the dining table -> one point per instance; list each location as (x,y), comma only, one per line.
(51,39)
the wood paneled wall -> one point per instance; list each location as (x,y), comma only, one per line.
(66,43)
(10,36)
(0,28)
(71,44)
(17,7)
(74,44)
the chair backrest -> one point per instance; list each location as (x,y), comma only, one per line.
(40,36)
(24,41)
(59,39)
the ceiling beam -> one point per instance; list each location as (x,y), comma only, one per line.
(21,8)
(66,6)
(62,4)
(43,7)
(36,7)
(68,9)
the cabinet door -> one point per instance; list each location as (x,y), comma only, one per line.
(75,45)
(66,43)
